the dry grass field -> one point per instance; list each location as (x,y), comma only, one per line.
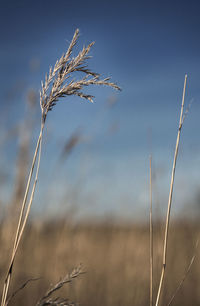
(111,259)
(114,257)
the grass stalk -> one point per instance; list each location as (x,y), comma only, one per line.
(166,235)
(23,218)
(185,275)
(151,237)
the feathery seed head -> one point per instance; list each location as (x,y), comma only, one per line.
(59,83)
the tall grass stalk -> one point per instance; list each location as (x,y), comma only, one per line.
(151,235)
(166,235)
(58,83)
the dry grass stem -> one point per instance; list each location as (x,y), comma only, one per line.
(23,215)
(151,236)
(58,83)
(185,275)
(170,197)
(20,288)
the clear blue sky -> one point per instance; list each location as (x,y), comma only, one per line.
(146,47)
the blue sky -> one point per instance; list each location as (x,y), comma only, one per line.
(146,47)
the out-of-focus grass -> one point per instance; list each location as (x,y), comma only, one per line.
(115,257)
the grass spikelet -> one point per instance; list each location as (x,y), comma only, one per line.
(47,298)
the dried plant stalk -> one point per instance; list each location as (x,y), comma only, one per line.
(185,275)
(151,237)
(20,288)
(58,83)
(181,120)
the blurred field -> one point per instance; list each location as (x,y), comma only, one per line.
(114,256)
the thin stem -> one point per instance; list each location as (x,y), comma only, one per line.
(31,197)
(170,198)
(185,275)
(23,219)
(20,288)
(151,237)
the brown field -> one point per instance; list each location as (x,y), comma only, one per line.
(114,257)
